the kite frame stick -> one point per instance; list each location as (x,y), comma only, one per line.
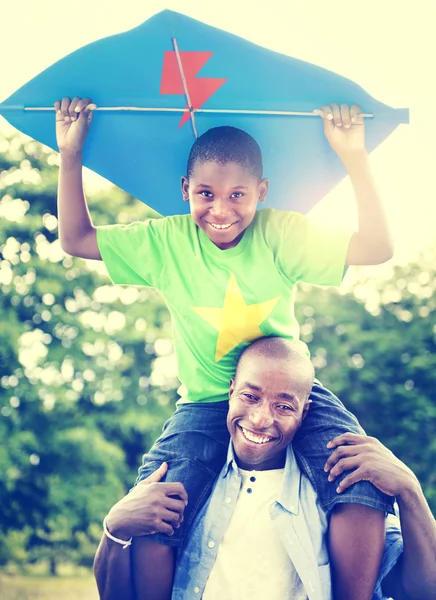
(185,86)
(180,110)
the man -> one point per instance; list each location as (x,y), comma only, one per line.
(262,534)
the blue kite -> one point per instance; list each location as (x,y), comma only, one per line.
(170,79)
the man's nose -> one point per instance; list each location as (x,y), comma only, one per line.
(261,418)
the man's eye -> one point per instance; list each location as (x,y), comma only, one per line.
(250,397)
(286,407)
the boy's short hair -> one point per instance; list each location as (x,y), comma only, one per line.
(226,144)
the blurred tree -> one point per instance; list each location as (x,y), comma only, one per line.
(79,360)
(376,349)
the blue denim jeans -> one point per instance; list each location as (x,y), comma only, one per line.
(195,439)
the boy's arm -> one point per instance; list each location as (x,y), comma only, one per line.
(77,234)
(344,129)
(414,576)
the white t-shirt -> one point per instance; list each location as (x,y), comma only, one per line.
(251,562)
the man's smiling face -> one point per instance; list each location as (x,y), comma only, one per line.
(268,402)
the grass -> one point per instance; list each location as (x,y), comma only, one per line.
(17,587)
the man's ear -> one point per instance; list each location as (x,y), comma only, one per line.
(263,189)
(232,388)
(306,408)
(185,188)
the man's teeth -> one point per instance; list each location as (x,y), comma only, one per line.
(216,226)
(257,439)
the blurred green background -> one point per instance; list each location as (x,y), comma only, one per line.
(87,375)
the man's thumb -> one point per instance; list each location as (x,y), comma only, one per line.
(158,474)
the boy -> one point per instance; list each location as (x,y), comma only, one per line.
(227,273)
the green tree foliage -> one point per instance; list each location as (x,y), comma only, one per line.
(87,372)
(78,360)
(376,348)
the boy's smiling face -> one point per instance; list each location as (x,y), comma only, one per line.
(223,200)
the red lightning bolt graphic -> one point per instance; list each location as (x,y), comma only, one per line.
(200,90)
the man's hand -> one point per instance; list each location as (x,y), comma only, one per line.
(151,507)
(73,120)
(414,576)
(344,129)
(370,461)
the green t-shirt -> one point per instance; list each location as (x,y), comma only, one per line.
(220,300)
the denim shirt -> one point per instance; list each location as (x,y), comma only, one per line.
(301,525)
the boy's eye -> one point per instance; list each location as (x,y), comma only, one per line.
(236,195)
(206,194)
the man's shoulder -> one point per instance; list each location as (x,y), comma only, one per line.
(297,484)
(309,497)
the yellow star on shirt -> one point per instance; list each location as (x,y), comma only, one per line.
(236,322)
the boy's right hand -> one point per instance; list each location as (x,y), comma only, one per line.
(73,120)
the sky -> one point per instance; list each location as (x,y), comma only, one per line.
(387,47)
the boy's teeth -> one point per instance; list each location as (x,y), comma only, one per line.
(257,439)
(220,226)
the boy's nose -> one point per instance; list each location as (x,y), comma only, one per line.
(221,208)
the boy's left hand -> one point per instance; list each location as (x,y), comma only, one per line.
(344,129)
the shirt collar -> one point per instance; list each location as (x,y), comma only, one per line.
(289,495)
(230,462)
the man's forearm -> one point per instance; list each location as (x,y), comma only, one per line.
(113,571)
(373,229)
(73,214)
(418,566)
(356,540)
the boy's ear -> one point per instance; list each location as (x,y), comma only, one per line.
(263,189)
(185,188)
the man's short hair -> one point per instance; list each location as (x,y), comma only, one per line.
(277,348)
(226,144)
